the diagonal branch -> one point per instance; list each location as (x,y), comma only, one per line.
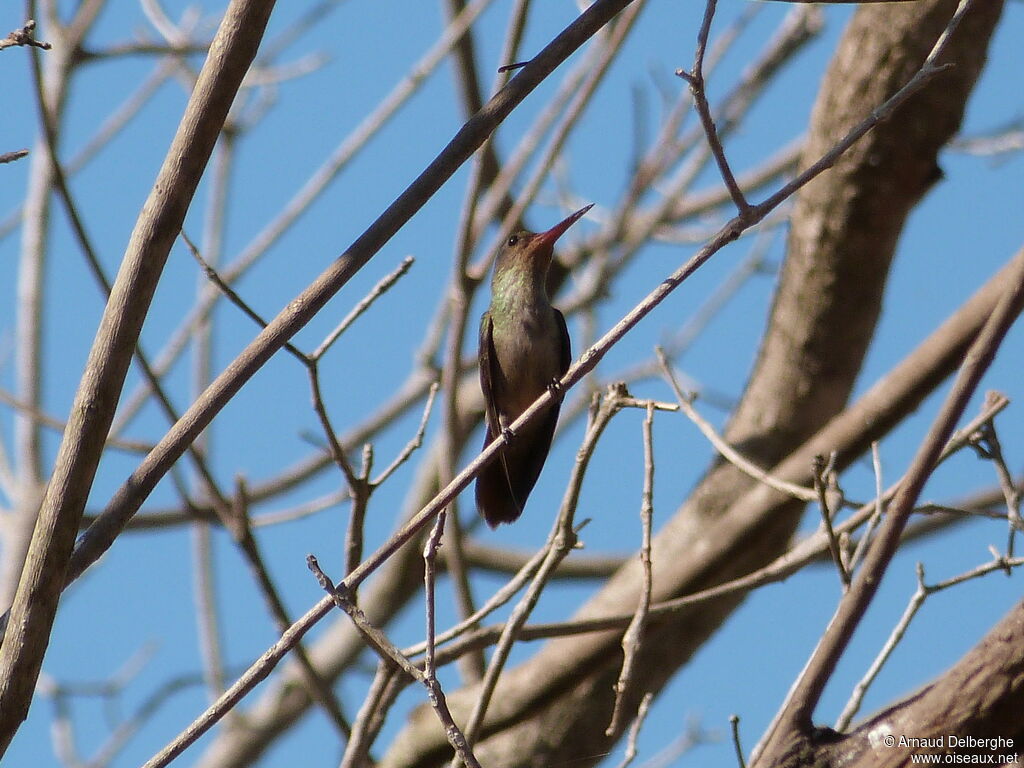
(45,571)
(794,718)
(303,308)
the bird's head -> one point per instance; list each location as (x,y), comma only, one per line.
(535,249)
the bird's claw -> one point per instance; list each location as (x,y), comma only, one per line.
(507,435)
(555,388)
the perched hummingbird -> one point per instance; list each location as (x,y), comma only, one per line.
(524,350)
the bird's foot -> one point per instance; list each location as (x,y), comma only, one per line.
(507,435)
(555,388)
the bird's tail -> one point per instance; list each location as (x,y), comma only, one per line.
(504,485)
(494,495)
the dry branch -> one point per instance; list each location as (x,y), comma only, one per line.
(47,565)
(844,233)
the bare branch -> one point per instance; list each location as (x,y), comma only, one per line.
(35,604)
(24,36)
(700,101)
(795,715)
(633,635)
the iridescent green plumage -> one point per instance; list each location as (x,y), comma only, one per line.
(524,349)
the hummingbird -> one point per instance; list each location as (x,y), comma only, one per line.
(524,351)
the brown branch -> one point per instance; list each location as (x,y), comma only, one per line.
(380,643)
(24,36)
(794,719)
(922,592)
(988,446)
(133,492)
(979,696)
(634,731)
(383,285)
(823,473)
(700,101)
(48,565)
(633,635)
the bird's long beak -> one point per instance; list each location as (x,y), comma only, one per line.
(548,238)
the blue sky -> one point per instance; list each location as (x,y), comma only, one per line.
(141,595)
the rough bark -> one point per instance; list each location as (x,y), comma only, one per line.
(980,697)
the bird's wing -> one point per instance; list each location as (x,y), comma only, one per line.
(565,351)
(494,494)
(488,359)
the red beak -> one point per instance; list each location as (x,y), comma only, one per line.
(548,238)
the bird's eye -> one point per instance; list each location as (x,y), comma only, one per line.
(513,239)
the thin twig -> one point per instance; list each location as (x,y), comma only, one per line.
(430,548)
(795,714)
(989,447)
(360,495)
(232,295)
(822,472)
(24,36)
(729,453)
(633,636)
(380,288)
(922,592)
(700,101)
(634,730)
(734,723)
(415,443)
(355,484)
(865,539)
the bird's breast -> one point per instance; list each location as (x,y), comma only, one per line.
(527,347)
